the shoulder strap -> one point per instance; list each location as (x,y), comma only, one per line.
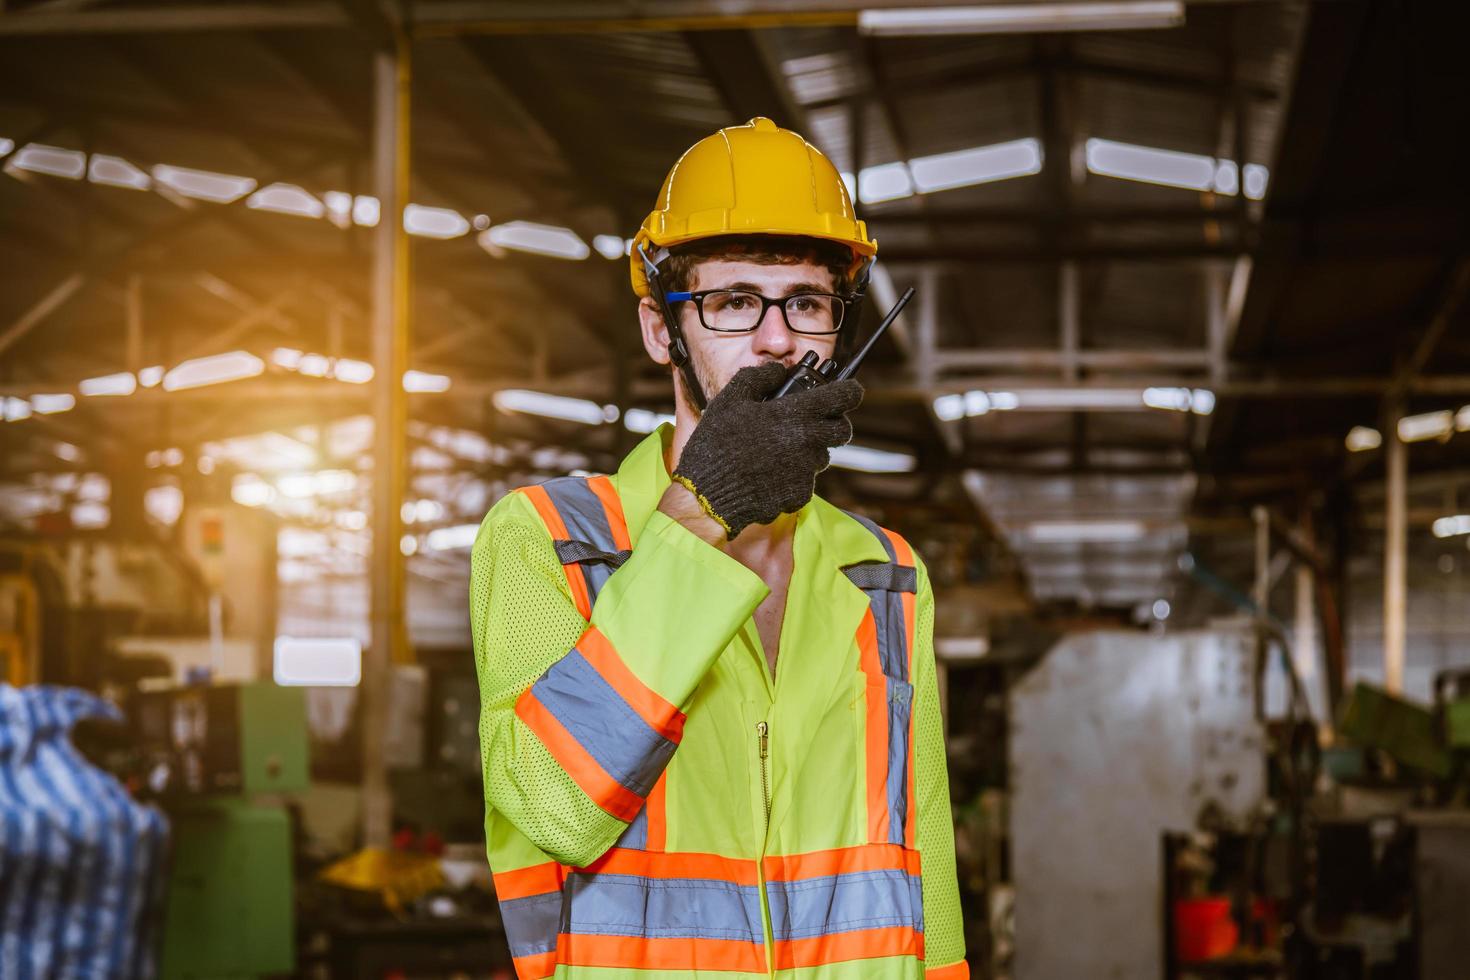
(585,520)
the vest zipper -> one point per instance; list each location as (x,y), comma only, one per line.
(762,741)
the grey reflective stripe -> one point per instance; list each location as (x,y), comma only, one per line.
(606,904)
(848,902)
(571,552)
(890,576)
(582,512)
(900,708)
(876,532)
(532,923)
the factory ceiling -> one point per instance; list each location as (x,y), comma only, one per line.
(1130,355)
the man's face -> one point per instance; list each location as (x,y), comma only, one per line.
(717,356)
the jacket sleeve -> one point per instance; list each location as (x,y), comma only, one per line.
(578,720)
(944,937)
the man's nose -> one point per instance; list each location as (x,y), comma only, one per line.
(772,337)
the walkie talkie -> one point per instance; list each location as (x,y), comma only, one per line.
(806,374)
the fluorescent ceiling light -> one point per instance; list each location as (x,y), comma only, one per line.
(868,460)
(286,357)
(452,538)
(14,409)
(116,172)
(366,211)
(339,207)
(164,504)
(203,184)
(1462,419)
(424,381)
(554,406)
(151,376)
(122,383)
(1200,401)
(642,421)
(213,370)
(964,405)
(286,199)
(528,236)
(317,661)
(6,146)
(885,182)
(1448,527)
(1078,399)
(1016,18)
(52,160)
(961,647)
(51,404)
(90,516)
(1430,425)
(351,371)
(1171,168)
(1085,532)
(249,490)
(434,222)
(609,246)
(1361,438)
(980,165)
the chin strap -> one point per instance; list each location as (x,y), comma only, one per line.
(854,317)
(678,349)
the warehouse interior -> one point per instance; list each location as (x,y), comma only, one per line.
(1179,420)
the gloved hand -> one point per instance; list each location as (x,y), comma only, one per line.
(750,461)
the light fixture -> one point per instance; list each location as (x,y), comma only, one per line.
(286,199)
(1085,532)
(552,406)
(51,160)
(1462,419)
(979,165)
(249,490)
(1016,18)
(1448,527)
(1360,439)
(151,376)
(1078,399)
(122,383)
(1430,425)
(317,661)
(609,246)
(116,172)
(204,185)
(885,182)
(528,236)
(423,381)
(212,370)
(1172,168)
(453,538)
(434,222)
(868,460)
(50,404)
(14,409)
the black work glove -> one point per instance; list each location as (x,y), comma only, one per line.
(749,460)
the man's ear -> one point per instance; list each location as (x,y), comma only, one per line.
(655,331)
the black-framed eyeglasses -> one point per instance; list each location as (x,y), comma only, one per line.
(741,311)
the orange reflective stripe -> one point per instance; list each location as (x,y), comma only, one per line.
(876,741)
(551,517)
(656,864)
(538,879)
(535,967)
(612,796)
(661,716)
(655,814)
(901,550)
(842,860)
(613,508)
(664,953)
(955,971)
(860,944)
(910,822)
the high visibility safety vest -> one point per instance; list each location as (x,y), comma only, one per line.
(657,805)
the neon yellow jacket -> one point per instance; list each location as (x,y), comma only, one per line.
(657,806)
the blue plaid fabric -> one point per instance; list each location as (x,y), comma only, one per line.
(81,864)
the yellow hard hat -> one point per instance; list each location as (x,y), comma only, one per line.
(753,179)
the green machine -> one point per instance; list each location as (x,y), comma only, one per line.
(219,759)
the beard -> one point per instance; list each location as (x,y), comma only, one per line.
(708,383)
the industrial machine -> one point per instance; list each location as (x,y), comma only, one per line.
(220,760)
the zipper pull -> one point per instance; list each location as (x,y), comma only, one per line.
(761,731)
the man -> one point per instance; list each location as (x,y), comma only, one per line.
(709,717)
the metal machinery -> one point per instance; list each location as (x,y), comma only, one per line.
(219,759)
(1163,827)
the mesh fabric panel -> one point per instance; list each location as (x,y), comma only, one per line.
(523,621)
(944,937)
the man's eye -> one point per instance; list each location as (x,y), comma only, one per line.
(803,304)
(738,302)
